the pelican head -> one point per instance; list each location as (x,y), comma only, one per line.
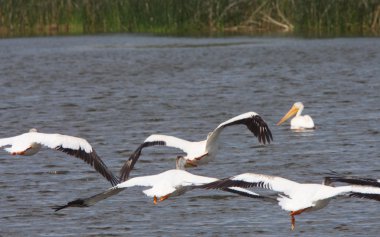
(33,130)
(295,109)
(182,163)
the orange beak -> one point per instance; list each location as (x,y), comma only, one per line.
(289,114)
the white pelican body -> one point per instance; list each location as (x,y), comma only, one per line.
(299,122)
(202,152)
(167,184)
(30,143)
(296,197)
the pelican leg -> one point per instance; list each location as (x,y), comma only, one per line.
(155,200)
(162,198)
(202,156)
(193,163)
(190,163)
(19,152)
(293,219)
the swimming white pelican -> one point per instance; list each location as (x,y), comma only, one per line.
(30,143)
(297,197)
(299,121)
(203,151)
(167,184)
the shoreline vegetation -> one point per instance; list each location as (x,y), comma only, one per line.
(313,18)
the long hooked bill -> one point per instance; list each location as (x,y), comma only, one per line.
(289,114)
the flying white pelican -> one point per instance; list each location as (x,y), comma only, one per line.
(297,197)
(30,143)
(167,184)
(299,121)
(202,152)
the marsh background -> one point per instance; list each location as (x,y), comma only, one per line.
(193,17)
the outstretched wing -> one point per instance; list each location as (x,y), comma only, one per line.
(77,147)
(254,123)
(246,193)
(152,140)
(375,197)
(74,146)
(7,141)
(86,202)
(95,161)
(367,192)
(352,180)
(249,180)
(16,144)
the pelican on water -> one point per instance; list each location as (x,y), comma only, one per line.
(167,184)
(298,197)
(30,143)
(203,151)
(299,121)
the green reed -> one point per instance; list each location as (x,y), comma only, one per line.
(310,17)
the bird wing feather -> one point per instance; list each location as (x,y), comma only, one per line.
(86,202)
(7,141)
(74,146)
(152,140)
(253,122)
(249,180)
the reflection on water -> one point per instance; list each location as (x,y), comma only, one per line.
(116,90)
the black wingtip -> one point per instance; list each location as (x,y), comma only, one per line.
(371,196)
(57,208)
(265,135)
(75,203)
(354,180)
(93,160)
(261,129)
(228,183)
(115,181)
(257,126)
(130,163)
